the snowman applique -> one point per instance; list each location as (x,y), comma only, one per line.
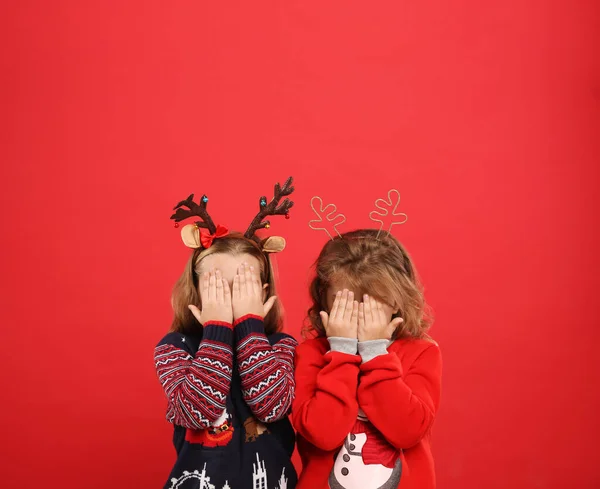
(366,460)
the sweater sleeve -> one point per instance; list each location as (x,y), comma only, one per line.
(266,370)
(197,385)
(402,406)
(325,408)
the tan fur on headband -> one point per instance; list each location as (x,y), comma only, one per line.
(273,244)
(190,234)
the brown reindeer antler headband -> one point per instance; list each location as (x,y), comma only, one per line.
(202,233)
(384,208)
(273,208)
(194,210)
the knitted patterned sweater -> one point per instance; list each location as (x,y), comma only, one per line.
(229,391)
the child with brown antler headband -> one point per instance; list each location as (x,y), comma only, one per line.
(368,383)
(226,368)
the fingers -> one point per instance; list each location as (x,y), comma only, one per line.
(226,293)
(341,310)
(336,304)
(324,319)
(367,310)
(382,318)
(204,285)
(354,314)
(248,280)
(237,288)
(196,312)
(374,311)
(269,304)
(361,315)
(394,323)
(256,283)
(349,307)
(212,286)
(219,293)
(242,277)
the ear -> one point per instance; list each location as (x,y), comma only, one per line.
(265,291)
(273,244)
(190,234)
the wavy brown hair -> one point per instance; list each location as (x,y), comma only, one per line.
(185,291)
(378,266)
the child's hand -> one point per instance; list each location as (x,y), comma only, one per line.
(373,324)
(248,294)
(216,299)
(342,320)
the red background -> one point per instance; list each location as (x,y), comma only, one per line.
(484,115)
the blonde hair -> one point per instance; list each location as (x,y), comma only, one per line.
(378,266)
(185,291)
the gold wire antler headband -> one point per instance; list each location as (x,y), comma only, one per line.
(329,212)
(383,208)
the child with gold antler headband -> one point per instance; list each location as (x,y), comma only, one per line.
(226,368)
(368,383)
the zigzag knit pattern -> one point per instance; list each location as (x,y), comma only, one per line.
(266,371)
(196,386)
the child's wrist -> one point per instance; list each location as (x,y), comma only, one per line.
(218,331)
(218,322)
(343,345)
(248,325)
(245,317)
(370,349)
(239,315)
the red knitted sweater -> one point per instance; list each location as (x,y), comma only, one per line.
(369,421)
